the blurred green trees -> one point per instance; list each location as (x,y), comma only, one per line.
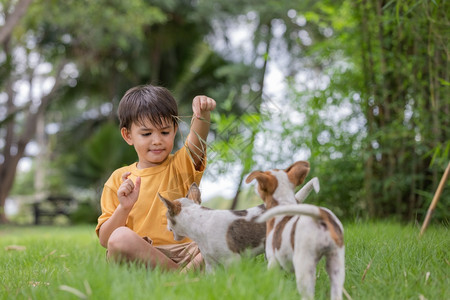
(380,129)
(360,89)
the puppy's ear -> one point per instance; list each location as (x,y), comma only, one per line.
(297,172)
(173,208)
(266,181)
(194,194)
(252,176)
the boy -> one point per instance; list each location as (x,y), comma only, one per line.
(133,225)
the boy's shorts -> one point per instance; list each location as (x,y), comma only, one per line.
(182,254)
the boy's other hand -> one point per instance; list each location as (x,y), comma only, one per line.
(202,104)
(128,191)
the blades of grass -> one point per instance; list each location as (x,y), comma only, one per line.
(87,287)
(347,295)
(366,270)
(202,150)
(15,248)
(73,291)
(202,142)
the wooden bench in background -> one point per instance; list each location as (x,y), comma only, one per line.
(51,207)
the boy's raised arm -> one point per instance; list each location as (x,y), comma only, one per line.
(201,107)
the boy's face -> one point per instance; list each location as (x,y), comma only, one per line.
(152,144)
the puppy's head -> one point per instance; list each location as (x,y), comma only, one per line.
(286,181)
(175,209)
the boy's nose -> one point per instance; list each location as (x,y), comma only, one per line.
(156,139)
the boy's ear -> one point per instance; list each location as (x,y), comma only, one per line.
(126,135)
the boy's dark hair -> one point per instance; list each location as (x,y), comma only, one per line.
(147,102)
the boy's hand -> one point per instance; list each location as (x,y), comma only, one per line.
(128,191)
(202,104)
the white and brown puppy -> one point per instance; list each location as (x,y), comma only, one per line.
(221,235)
(299,235)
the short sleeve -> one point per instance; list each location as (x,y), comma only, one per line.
(109,203)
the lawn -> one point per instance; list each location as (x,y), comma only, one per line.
(383,261)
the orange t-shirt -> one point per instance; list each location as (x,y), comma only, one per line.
(147,218)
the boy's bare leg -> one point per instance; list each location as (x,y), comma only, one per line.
(126,245)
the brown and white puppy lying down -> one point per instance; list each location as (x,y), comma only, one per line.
(299,235)
(221,235)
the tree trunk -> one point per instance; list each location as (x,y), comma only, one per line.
(41,159)
(13,19)
(15,145)
(7,174)
(254,132)
(369,81)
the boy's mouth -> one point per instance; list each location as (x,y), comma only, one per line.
(156,151)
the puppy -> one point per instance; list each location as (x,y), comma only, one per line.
(221,235)
(299,235)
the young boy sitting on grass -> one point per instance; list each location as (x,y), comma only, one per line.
(133,225)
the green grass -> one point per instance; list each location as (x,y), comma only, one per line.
(68,263)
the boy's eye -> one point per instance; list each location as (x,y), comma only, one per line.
(165,132)
(146,134)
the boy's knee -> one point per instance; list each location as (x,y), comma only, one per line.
(119,240)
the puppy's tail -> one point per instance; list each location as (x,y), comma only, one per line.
(291,210)
(301,195)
